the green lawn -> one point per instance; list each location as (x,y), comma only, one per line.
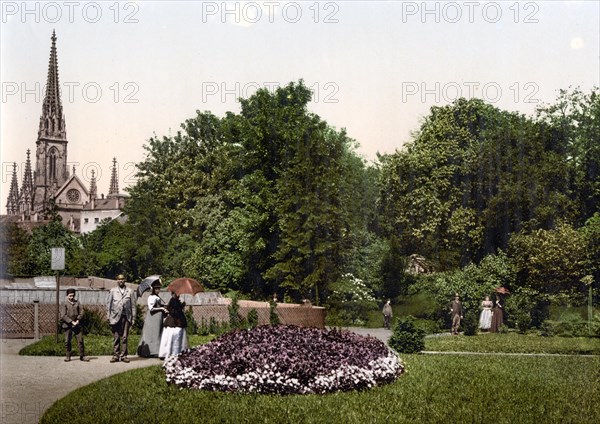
(509,343)
(94,345)
(514,343)
(435,388)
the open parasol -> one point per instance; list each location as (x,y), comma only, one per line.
(502,290)
(185,286)
(147,283)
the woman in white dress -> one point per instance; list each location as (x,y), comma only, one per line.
(153,324)
(174,338)
(485,319)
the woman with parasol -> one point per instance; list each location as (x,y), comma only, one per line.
(174,339)
(153,324)
(498,310)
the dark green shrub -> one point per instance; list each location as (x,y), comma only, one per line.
(214,327)
(407,338)
(140,315)
(273,317)
(342,318)
(428,326)
(252,318)
(526,308)
(470,323)
(595,326)
(94,322)
(569,325)
(192,325)
(203,329)
(235,319)
(420,305)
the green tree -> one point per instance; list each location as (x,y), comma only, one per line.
(473,175)
(43,239)
(575,120)
(393,266)
(14,254)
(591,235)
(109,250)
(263,201)
(550,261)
(310,215)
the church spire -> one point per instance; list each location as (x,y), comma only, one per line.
(114,182)
(52,121)
(93,188)
(12,203)
(51,170)
(26,195)
(27,186)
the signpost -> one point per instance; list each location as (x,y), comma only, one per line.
(57,264)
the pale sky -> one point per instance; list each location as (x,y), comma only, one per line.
(129,70)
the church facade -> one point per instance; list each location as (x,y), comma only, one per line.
(51,188)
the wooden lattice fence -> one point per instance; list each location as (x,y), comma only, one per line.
(18,320)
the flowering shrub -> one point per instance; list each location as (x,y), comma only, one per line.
(285,360)
(350,301)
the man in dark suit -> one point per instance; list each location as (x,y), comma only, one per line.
(456,311)
(71,314)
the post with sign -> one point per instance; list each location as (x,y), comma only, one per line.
(58,264)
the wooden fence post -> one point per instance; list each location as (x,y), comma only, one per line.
(36,320)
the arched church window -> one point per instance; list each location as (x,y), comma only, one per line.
(52,165)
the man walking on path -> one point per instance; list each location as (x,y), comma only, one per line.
(121,316)
(387,315)
(456,311)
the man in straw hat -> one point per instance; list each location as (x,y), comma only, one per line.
(121,316)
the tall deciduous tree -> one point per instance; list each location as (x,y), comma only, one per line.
(575,118)
(267,200)
(472,176)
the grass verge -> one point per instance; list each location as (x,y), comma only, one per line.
(514,343)
(434,388)
(94,345)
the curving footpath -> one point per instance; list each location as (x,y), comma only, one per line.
(31,384)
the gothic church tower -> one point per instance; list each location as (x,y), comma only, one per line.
(51,170)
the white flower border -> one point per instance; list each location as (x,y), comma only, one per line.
(269,379)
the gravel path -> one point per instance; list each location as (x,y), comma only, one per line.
(31,384)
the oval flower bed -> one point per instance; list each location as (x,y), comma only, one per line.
(285,359)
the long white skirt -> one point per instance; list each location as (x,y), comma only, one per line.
(172,342)
(485,319)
